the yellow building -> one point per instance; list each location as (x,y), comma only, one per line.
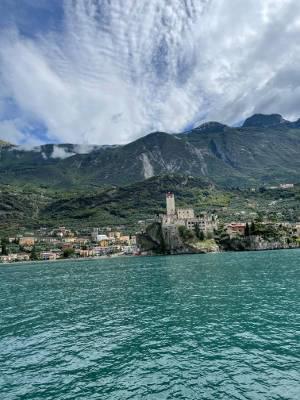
(87,253)
(27,241)
(124,239)
(70,240)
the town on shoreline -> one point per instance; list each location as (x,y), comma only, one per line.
(64,243)
(179,231)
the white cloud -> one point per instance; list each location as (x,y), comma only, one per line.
(61,152)
(119,69)
(12,131)
(9,132)
(84,148)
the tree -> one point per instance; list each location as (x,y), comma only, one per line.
(68,252)
(209,235)
(201,236)
(247,230)
(199,233)
(185,233)
(4,243)
(252,228)
(260,217)
(33,254)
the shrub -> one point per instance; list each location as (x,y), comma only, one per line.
(185,234)
(68,252)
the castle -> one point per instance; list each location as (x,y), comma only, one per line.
(186,217)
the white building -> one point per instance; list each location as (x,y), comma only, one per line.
(96,237)
(286,185)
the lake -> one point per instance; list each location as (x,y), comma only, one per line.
(215,326)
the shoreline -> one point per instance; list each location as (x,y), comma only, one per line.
(67,259)
(141,255)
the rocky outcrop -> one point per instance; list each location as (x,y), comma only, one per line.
(258,243)
(255,243)
(167,240)
(151,241)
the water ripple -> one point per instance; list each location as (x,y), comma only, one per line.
(222,326)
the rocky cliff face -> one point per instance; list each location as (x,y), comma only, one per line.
(151,241)
(167,240)
(256,243)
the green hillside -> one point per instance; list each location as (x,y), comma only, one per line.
(31,208)
(83,186)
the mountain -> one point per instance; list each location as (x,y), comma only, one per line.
(264,150)
(4,144)
(261,120)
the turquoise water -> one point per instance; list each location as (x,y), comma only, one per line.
(218,326)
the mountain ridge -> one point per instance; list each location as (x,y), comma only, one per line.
(264,151)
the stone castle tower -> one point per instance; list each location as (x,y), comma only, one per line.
(186,217)
(170,200)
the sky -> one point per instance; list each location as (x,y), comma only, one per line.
(110,71)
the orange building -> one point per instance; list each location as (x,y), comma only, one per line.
(234,229)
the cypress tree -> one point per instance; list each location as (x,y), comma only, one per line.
(4,243)
(33,254)
(197,231)
(252,228)
(201,236)
(247,230)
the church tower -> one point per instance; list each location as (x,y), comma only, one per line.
(170,200)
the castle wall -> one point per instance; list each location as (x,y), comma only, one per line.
(184,213)
(171,238)
(204,224)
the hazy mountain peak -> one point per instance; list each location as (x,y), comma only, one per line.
(3,143)
(211,126)
(264,120)
(152,137)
